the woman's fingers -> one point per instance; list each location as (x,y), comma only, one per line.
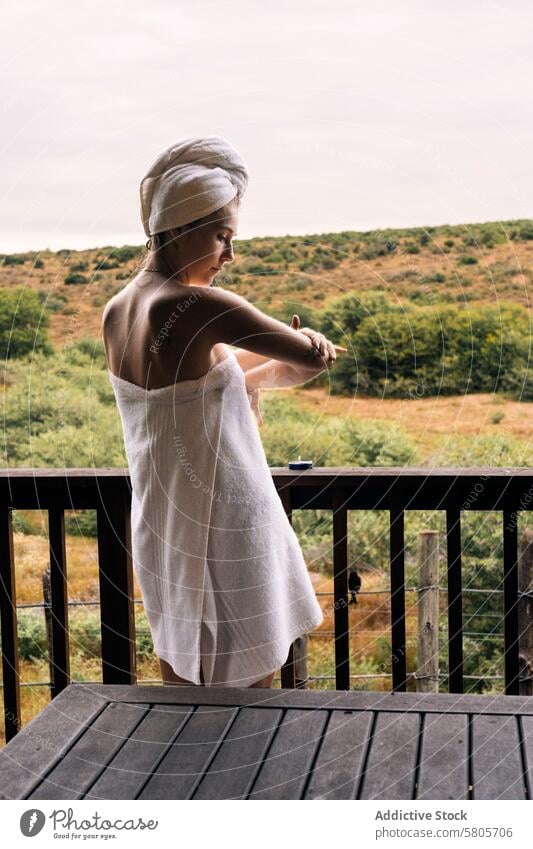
(320,342)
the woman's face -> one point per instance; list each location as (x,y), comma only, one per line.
(204,249)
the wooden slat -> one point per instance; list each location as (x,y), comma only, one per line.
(182,767)
(443,771)
(116,590)
(340,591)
(42,743)
(284,773)
(391,764)
(288,671)
(338,767)
(496,760)
(8,619)
(84,762)
(239,758)
(58,586)
(455,601)
(127,772)
(510,601)
(397,585)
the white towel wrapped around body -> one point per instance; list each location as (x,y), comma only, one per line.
(221,571)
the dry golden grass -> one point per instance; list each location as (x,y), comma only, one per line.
(430,421)
(32,559)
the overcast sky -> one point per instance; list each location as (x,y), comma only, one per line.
(350,115)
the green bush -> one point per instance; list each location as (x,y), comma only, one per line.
(81,523)
(75,279)
(126,253)
(408,351)
(23,324)
(374,249)
(523,234)
(466,260)
(260,269)
(32,639)
(106,264)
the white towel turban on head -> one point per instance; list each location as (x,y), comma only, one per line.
(189,180)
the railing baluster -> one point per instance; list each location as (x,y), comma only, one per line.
(58,588)
(340,590)
(510,601)
(397,585)
(455,601)
(288,672)
(116,589)
(8,616)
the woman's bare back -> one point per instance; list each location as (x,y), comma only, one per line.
(153,334)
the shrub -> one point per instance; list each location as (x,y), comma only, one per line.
(106,264)
(33,644)
(343,315)
(81,523)
(23,325)
(75,279)
(374,248)
(126,252)
(524,233)
(466,260)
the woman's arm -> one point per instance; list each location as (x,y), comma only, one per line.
(275,375)
(226,317)
(248,360)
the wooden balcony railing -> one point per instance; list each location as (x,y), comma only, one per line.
(338,489)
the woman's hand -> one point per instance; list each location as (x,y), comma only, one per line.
(327,349)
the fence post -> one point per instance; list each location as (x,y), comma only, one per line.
(427,675)
(525,614)
(300,662)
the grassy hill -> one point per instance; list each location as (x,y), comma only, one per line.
(460,264)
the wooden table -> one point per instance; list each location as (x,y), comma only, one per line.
(144,742)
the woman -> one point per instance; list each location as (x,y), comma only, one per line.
(222,576)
